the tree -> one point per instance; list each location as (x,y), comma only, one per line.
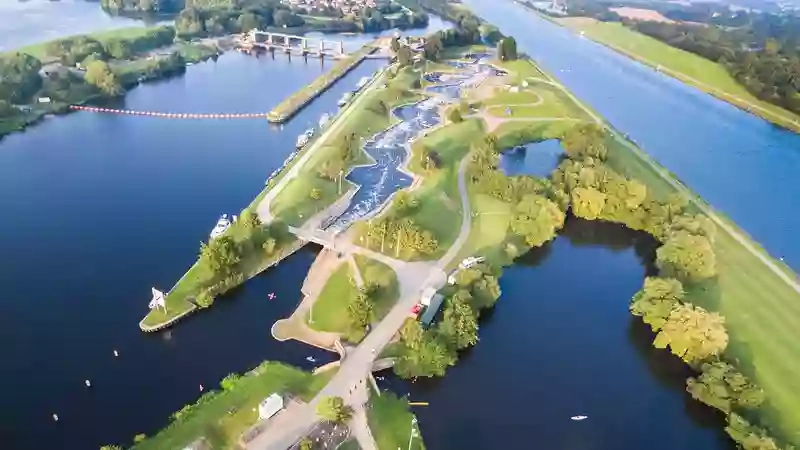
(360,312)
(334,410)
(747,436)
(656,300)
(404,56)
(721,386)
(269,245)
(692,333)
(687,257)
(222,254)
(537,219)
(247,22)
(587,203)
(306,443)
(118,48)
(100,75)
(19,77)
(459,327)
(585,140)
(507,49)
(315,194)
(286,19)
(189,23)
(428,356)
(455,116)
(433,47)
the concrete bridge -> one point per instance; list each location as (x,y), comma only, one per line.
(324,238)
(269,40)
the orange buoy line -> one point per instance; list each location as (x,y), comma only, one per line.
(169,115)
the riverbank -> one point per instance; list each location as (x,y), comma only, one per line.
(221,417)
(747,278)
(291,207)
(286,109)
(694,70)
(133,55)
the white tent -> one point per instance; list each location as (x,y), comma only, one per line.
(270,406)
(158,300)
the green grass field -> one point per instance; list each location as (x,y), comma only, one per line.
(330,310)
(390,420)
(702,73)
(373,271)
(221,417)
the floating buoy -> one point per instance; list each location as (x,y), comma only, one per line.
(87,383)
(201,388)
(55,417)
(116,353)
(271,296)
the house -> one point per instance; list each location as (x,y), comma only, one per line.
(270,406)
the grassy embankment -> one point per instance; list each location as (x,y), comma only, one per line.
(366,115)
(292,104)
(390,421)
(222,416)
(690,68)
(762,311)
(330,309)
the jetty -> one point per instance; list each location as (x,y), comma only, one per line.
(298,100)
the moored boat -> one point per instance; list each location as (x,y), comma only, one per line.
(324,120)
(221,227)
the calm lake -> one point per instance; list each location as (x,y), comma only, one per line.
(99,208)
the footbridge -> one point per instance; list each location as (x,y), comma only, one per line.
(318,236)
(269,40)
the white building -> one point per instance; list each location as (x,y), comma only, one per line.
(270,406)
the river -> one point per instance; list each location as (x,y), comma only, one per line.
(741,164)
(98,208)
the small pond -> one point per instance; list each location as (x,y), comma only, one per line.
(536,159)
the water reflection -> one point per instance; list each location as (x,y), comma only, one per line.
(561,342)
(536,159)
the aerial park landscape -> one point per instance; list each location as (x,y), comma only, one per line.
(411,192)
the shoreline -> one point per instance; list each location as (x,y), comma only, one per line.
(787,123)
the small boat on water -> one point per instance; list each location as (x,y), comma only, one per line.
(344,99)
(578,418)
(221,227)
(362,82)
(324,120)
(303,139)
(311,359)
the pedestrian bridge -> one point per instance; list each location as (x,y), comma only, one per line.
(324,238)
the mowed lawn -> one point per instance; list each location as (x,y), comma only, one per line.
(652,51)
(221,417)
(390,420)
(439,208)
(329,312)
(376,272)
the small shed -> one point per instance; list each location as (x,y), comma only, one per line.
(270,406)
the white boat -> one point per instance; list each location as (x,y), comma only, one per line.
(362,82)
(344,99)
(324,120)
(310,359)
(302,140)
(222,225)
(471,261)
(579,417)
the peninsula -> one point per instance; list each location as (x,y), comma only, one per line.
(436,231)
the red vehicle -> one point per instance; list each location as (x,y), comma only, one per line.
(416,309)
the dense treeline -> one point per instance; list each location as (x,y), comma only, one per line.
(770,69)
(585,186)
(74,50)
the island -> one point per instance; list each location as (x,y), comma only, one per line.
(404,190)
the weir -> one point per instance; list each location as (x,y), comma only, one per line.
(269,40)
